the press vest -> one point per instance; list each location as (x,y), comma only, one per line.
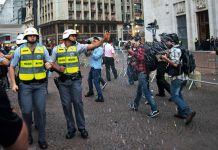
(68,58)
(32,64)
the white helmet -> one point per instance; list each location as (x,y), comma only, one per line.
(68,32)
(30,31)
(20,39)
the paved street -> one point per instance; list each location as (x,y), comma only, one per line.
(112,126)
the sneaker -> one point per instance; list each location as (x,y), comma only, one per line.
(189,117)
(154,113)
(133,107)
(104,86)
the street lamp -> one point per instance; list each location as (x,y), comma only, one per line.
(75,25)
(132,28)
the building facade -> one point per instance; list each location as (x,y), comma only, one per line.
(190,19)
(19,11)
(6,12)
(88,17)
(133,17)
(29,20)
(12,14)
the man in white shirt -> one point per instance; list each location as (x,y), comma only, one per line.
(109,55)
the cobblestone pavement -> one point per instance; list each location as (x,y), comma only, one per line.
(112,126)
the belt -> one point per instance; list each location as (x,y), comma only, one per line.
(75,76)
(34,81)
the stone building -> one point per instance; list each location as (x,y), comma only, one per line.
(88,17)
(189,18)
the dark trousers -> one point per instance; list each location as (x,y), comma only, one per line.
(162,84)
(101,80)
(94,78)
(109,63)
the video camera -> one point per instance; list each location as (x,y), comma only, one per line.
(128,45)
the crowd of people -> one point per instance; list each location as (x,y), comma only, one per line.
(208,44)
(30,62)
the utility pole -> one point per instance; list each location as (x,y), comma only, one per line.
(35,13)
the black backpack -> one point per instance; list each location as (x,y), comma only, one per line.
(188,62)
(187,65)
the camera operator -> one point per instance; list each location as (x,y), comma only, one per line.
(143,73)
(177,81)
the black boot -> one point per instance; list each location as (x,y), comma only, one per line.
(84,133)
(100,99)
(89,94)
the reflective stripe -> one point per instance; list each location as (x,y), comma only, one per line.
(71,70)
(26,63)
(38,63)
(72,59)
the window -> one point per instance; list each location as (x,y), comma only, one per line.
(60,28)
(86,29)
(93,28)
(100,28)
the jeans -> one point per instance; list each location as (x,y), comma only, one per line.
(129,74)
(71,92)
(34,94)
(143,86)
(176,93)
(94,77)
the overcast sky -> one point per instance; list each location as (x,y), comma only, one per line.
(2,1)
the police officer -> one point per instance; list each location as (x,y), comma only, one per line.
(33,59)
(70,89)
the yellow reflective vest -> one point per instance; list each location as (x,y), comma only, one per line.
(68,58)
(32,64)
(11,52)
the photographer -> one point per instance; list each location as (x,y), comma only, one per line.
(142,71)
(177,81)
